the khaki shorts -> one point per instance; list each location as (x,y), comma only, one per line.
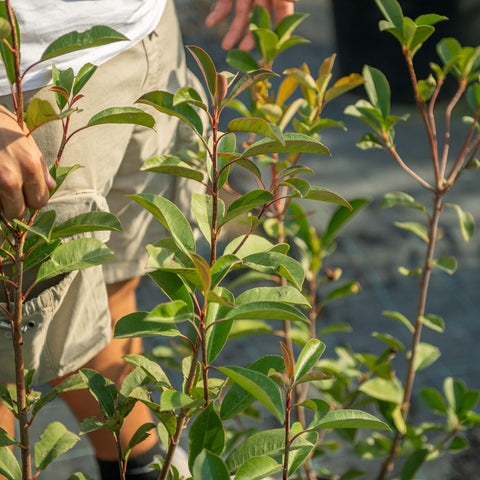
(68,323)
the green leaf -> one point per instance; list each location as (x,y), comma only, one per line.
(297,457)
(324,195)
(253,244)
(350,288)
(206,432)
(259,386)
(74,41)
(368,141)
(426,355)
(138,437)
(54,441)
(269,442)
(237,399)
(189,95)
(400,199)
(87,222)
(40,112)
(40,254)
(6,439)
(433,400)
(60,174)
(7,55)
(122,115)
(343,85)
(381,389)
(288,24)
(246,82)
(467,223)
(267,42)
(241,60)
(350,419)
(273,262)
(414,227)
(172,400)
(308,357)
(151,368)
(434,322)
(267,311)
(75,255)
(42,226)
(164,102)
(136,324)
(83,76)
(260,17)
(170,217)
(64,80)
(422,33)
(413,464)
(294,143)
(206,66)
(173,166)
(401,318)
(252,199)
(79,476)
(172,286)
(202,208)
(378,89)
(390,340)
(430,19)
(341,216)
(319,407)
(99,388)
(256,125)
(209,465)
(447,264)
(9,466)
(287,294)
(5,29)
(257,468)
(392,11)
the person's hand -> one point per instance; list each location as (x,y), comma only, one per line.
(237,32)
(24,177)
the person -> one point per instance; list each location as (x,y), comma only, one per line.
(72,316)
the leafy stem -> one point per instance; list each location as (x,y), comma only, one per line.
(390,461)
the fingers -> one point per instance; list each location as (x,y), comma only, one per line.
(239,24)
(238,31)
(283,8)
(219,12)
(24,178)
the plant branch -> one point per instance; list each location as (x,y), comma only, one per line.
(391,149)
(423,112)
(390,461)
(16,64)
(19,362)
(448,117)
(464,151)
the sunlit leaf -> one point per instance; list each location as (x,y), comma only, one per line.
(206,66)
(75,255)
(350,419)
(122,115)
(74,41)
(259,386)
(206,432)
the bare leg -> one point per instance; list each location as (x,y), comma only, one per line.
(110,364)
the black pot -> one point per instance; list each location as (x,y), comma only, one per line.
(360,42)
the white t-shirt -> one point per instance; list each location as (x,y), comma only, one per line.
(43,21)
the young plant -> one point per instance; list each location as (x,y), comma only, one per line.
(199,300)
(37,241)
(463,64)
